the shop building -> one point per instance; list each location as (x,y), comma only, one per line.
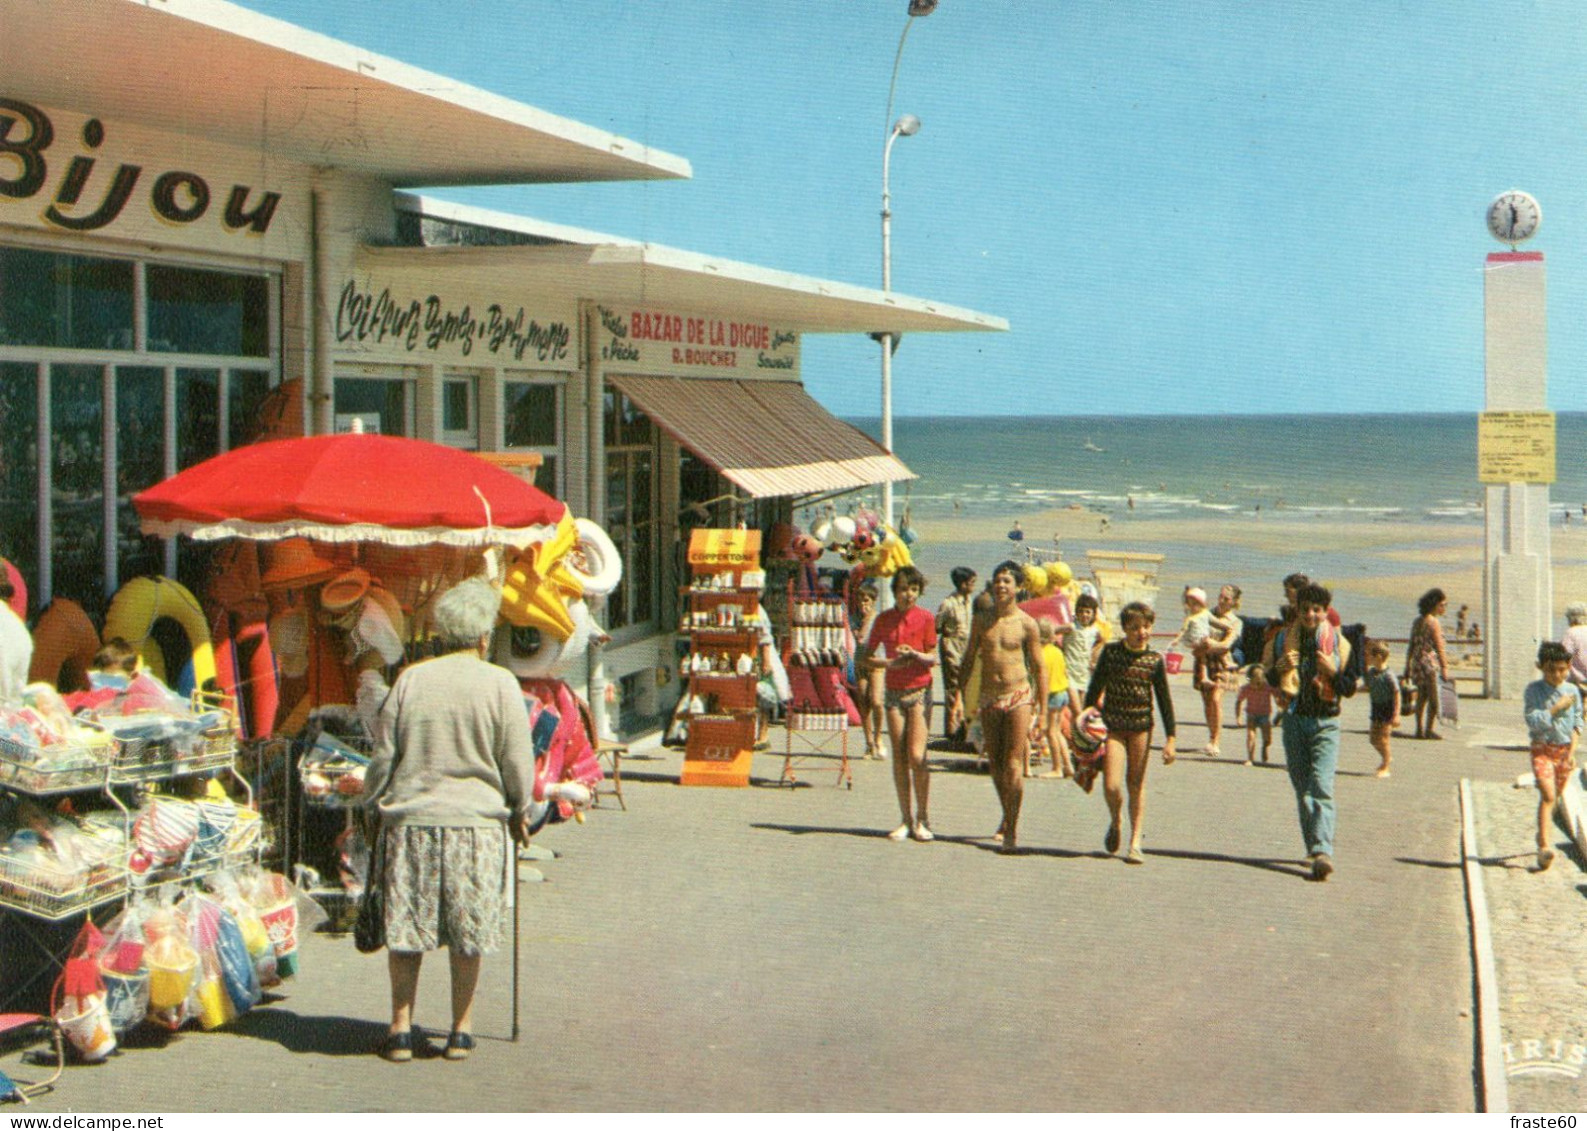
(199,204)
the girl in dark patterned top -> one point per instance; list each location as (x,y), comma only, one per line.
(1127,677)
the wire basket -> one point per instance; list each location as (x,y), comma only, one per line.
(49,893)
(54,769)
(142,759)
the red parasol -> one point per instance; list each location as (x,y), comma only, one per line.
(351,488)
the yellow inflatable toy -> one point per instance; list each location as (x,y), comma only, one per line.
(139,605)
(1035,581)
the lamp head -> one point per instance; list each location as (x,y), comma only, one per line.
(907,126)
(921,7)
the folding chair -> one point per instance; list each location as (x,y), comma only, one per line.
(30,1028)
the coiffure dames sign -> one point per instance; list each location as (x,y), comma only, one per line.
(649,340)
(87,183)
(396,317)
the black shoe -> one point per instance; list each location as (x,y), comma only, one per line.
(398,1047)
(1322,866)
(459,1045)
(1111,841)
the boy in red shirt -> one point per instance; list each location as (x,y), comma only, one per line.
(903,643)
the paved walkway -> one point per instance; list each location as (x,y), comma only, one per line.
(769,949)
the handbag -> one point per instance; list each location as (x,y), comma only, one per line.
(369,930)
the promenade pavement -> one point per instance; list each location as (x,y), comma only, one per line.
(769,949)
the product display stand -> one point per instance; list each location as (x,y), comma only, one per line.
(815,642)
(724,624)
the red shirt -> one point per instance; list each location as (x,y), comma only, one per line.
(916,628)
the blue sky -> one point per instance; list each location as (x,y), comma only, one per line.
(1179,207)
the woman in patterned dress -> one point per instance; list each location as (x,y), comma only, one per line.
(453,767)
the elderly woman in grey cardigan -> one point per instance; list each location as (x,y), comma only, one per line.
(452,772)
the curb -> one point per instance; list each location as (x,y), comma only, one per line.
(1495,1097)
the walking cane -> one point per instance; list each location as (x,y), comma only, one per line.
(516,885)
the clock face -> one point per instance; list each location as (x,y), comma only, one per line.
(1514,216)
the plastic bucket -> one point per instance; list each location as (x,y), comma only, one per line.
(1174,662)
(214,1006)
(169,984)
(90,1031)
(126,997)
(287,963)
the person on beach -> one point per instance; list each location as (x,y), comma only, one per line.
(1007,643)
(869,692)
(1552,707)
(1384,691)
(1575,641)
(1127,677)
(1311,656)
(1256,700)
(1426,663)
(953,638)
(1057,700)
(1081,643)
(1214,672)
(903,645)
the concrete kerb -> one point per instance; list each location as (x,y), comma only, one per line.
(1490,1039)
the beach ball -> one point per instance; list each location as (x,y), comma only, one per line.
(1060,574)
(1090,732)
(1035,580)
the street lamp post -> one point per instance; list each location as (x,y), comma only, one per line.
(905,126)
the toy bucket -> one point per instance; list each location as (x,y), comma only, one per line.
(286,963)
(1174,662)
(214,1006)
(281,921)
(89,1031)
(171,979)
(126,997)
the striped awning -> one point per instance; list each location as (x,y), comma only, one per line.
(770,438)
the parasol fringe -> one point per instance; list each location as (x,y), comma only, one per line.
(517,537)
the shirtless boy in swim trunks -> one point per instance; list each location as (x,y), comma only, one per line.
(1007,642)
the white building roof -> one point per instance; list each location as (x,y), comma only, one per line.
(212,69)
(622,271)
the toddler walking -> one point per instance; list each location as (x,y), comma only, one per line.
(1384,691)
(1256,700)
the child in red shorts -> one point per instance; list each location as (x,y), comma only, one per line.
(1553,711)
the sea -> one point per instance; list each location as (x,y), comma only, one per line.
(1397,469)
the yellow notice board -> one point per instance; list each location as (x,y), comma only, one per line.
(1515,447)
(716,550)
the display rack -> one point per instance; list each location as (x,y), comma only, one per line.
(723,623)
(816,643)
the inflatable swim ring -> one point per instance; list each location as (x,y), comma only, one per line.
(136,614)
(595,560)
(64,643)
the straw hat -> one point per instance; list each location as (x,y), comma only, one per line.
(346,591)
(293,564)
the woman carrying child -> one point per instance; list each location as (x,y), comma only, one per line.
(1127,677)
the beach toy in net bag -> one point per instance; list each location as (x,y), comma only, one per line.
(1090,732)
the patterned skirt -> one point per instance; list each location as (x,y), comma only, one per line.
(447,887)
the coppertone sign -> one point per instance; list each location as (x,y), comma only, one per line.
(85,195)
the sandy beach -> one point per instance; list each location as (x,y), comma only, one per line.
(1376,568)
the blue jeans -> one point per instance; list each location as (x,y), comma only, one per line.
(1311,749)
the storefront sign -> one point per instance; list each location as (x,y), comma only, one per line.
(665,341)
(713,550)
(442,325)
(1515,447)
(83,200)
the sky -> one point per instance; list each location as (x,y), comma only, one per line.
(1179,207)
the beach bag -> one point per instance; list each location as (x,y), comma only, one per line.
(1448,702)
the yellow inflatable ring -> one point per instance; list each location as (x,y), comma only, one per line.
(144,601)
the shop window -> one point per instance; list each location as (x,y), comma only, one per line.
(385,405)
(246,390)
(626,424)
(140,463)
(197,415)
(19,469)
(65,301)
(212,312)
(532,421)
(459,420)
(77,492)
(630,520)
